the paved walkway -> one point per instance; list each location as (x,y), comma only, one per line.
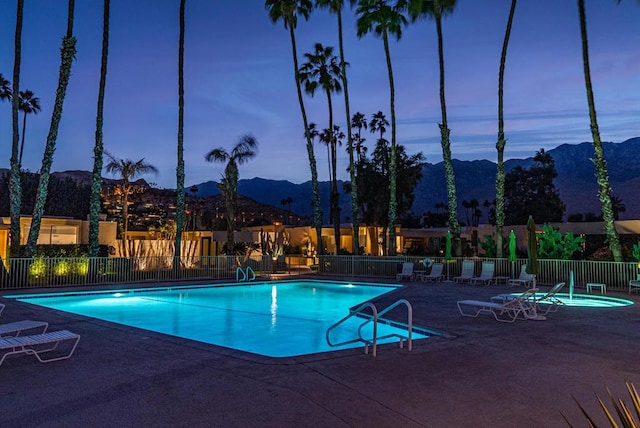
(486,374)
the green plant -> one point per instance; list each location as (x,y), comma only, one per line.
(635,253)
(489,246)
(553,245)
(620,408)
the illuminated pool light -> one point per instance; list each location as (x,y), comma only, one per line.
(588,300)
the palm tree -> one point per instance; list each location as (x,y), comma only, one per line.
(180,205)
(359,121)
(243,151)
(67,54)
(29,103)
(98,148)
(127,170)
(15,191)
(5,90)
(437,9)
(383,19)
(602,174)
(335,6)
(288,11)
(321,71)
(378,123)
(500,176)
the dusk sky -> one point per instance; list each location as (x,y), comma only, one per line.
(239,79)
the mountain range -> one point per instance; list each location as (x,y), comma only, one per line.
(576,182)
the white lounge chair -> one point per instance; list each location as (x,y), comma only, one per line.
(18,327)
(435,274)
(525,278)
(468,267)
(1,308)
(634,284)
(39,344)
(507,311)
(547,302)
(407,271)
(486,275)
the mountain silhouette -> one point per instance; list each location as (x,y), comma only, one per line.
(476,179)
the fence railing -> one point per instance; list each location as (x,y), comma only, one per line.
(58,272)
(615,274)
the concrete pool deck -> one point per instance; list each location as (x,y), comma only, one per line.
(485,374)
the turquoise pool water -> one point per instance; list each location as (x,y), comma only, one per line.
(275,319)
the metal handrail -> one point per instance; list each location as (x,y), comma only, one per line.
(374,318)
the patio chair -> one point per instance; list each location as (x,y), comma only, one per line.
(467,271)
(407,271)
(507,311)
(548,302)
(435,274)
(634,284)
(18,327)
(486,275)
(39,344)
(525,278)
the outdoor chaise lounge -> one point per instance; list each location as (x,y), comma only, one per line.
(407,271)
(18,327)
(486,275)
(1,308)
(467,271)
(507,311)
(525,278)
(547,302)
(435,274)
(39,344)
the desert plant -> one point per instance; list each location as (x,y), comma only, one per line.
(489,246)
(620,408)
(553,245)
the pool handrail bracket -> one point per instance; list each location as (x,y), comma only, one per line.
(247,274)
(373,317)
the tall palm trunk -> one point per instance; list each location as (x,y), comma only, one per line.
(500,177)
(98,149)
(355,217)
(602,175)
(15,190)
(24,131)
(452,200)
(335,208)
(67,55)
(317,212)
(180,167)
(393,160)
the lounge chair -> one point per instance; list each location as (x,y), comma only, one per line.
(435,274)
(407,271)
(39,344)
(467,271)
(486,275)
(525,278)
(507,311)
(634,284)
(1,308)
(18,327)
(544,304)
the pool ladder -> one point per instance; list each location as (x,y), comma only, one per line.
(245,274)
(374,318)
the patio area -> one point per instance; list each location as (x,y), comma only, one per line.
(482,373)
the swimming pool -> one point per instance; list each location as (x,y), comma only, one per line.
(275,319)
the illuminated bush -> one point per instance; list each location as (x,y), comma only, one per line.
(38,268)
